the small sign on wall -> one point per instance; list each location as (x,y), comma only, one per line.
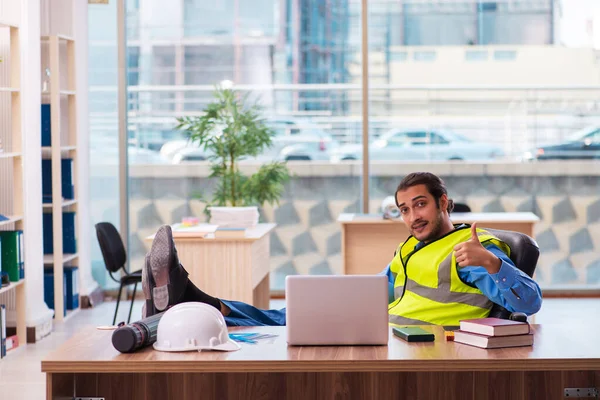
(97,1)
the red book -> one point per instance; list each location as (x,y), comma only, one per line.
(494,326)
(12,342)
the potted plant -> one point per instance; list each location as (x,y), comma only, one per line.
(230,130)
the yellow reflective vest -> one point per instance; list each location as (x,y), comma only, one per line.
(427,287)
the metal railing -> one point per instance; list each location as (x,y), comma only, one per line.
(517,118)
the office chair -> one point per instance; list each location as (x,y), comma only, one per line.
(115,258)
(461,208)
(524,253)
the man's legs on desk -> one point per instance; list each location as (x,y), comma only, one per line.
(165,283)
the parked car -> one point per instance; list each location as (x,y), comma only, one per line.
(109,155)
(583,144)
(420,144)
(294,140)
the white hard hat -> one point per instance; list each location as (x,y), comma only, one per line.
(389,208)
(193,326)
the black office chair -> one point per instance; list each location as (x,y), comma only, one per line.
(524,253)
(461,208)
(115,258)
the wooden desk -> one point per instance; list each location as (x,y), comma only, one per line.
(563,356)
(230,268)
(369,241)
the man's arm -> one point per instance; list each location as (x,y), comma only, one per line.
(509,287)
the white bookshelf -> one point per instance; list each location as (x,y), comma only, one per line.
(9,155)
(63,204)
(11,165)
(49,258)
(61,61)
(11,286)
(12,219)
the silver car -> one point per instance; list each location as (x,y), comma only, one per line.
(420,144)
(294,139)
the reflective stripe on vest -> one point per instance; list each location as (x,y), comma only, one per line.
(433,292)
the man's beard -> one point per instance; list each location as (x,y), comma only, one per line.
(436,229)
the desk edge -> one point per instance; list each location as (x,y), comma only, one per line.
(319,366)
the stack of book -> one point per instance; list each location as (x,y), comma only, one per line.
(234,217)
(492,333)
(183,230)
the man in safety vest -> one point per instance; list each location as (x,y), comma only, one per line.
(444,272)
(441,274)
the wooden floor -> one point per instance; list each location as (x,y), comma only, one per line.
(20,376)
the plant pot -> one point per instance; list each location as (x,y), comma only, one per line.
(234,217)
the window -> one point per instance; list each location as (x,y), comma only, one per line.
(439,24)
(434,138)
(490,87)
(593,137)
(399,139)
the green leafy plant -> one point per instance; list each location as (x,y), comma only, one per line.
(230,130)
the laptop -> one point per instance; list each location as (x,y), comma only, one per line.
(337,309)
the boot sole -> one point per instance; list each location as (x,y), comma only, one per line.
(148,284)
(160,256)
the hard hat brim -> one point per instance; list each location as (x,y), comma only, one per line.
(230,345)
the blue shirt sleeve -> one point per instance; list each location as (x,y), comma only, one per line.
(387,272)
(510,287)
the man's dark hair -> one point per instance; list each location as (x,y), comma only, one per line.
(435,186)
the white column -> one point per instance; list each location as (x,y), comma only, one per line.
(37,311)
(84,235)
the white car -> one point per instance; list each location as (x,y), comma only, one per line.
(294,140)
(108,154)
(420,145)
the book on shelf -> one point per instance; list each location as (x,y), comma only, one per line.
(46,125)
(68,233)
(2,331)
(494,327)
(12,342)
(71,274)
(225,232)
(492,342)
(67,182)
(12,254)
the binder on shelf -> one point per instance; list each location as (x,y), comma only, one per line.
(49,290)
(68,232)
(71,278)
(67,184)
(46,126)
(21,256)
(12,254)
(2,331)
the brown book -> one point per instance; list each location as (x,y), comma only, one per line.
(494,326)
(493,342)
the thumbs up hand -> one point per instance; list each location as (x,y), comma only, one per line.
(472,253)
